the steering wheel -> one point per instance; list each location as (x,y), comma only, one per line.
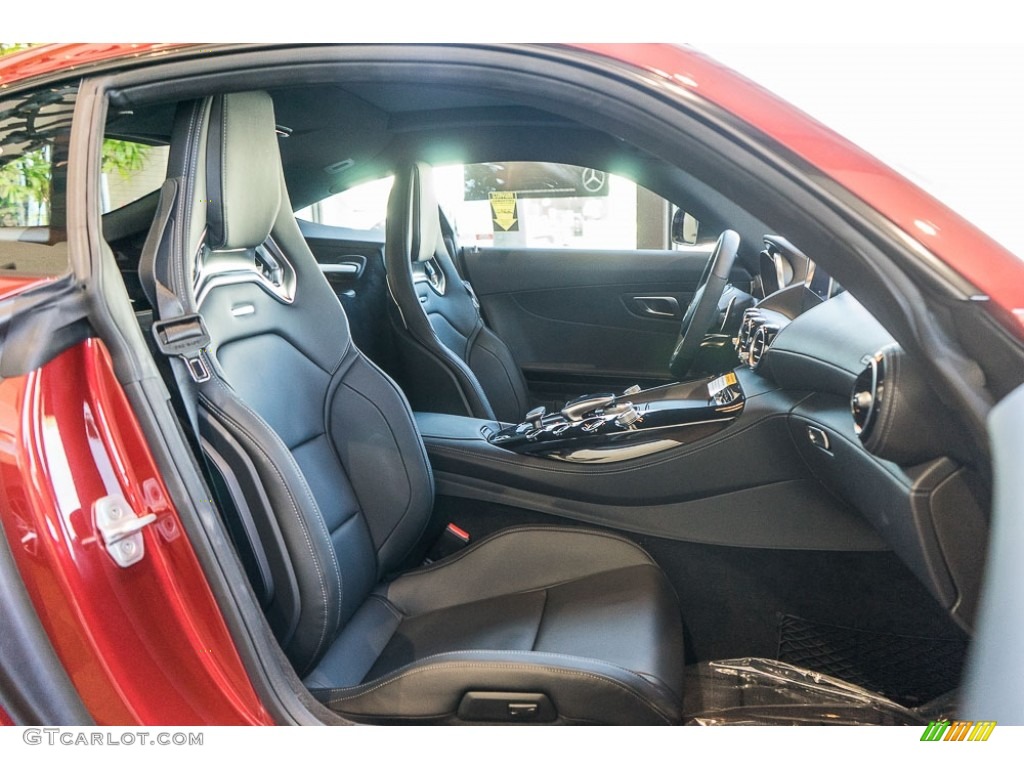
(704,305)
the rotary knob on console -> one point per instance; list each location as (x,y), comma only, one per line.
(627,417)
(624,414)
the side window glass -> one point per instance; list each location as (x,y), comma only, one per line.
(130,170)
(522,204)
(550,206)
(363,207)
(34,131)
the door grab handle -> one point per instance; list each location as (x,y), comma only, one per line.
(347,268)
(657,306)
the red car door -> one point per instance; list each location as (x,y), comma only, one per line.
(114,590)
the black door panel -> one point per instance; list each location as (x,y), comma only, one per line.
(497,270)
(584,330)
(577,319)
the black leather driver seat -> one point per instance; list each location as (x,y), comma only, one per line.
(331,488)
(452,362)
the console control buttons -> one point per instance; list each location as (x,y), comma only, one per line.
(605,427)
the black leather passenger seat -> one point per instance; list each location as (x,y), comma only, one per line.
(452,361)
(327,471)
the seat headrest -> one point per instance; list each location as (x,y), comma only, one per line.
(426,223)
(243,171)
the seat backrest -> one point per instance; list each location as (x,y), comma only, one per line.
(452,362)
(318,447)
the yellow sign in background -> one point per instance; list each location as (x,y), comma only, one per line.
(504,211)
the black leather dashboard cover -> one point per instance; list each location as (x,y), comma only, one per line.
(822,350)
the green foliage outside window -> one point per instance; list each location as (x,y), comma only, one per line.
(25,190)
(123,157)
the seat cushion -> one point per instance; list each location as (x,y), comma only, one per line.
(584,617)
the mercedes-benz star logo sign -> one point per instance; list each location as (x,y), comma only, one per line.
(593,181)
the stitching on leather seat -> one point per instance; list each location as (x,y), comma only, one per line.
(530,590)
(521,529)
(394,438)
(394,609)
(520,407)
(182,217)
(295,508)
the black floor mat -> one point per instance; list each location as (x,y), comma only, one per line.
(907,669)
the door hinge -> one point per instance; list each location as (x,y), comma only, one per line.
(121,529)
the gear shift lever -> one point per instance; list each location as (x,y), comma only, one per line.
(576,410)
(535,416)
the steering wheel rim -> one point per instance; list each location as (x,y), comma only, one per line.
(704,304)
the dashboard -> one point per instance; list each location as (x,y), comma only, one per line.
(869,426)
(789,284)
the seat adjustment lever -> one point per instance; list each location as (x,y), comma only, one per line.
(506,707)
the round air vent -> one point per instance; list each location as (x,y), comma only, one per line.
(896,413)
(868,391)
(746,335)
(763,338)
(757,332)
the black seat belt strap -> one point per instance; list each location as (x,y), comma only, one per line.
(180,335)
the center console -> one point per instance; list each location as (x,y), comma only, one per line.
(608,427)
(711,460)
